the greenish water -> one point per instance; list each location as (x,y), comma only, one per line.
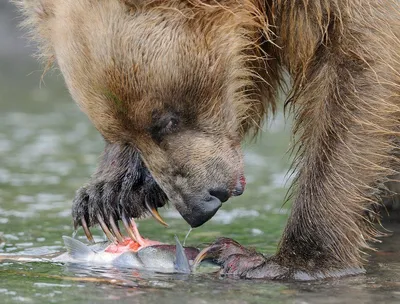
(48,149)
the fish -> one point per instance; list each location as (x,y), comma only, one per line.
(154,256)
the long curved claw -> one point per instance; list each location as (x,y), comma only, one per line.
(208,252)
(154,212)
(115,229)
(128,227)
(106,231)
(88,234)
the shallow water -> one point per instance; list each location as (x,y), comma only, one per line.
(48,149)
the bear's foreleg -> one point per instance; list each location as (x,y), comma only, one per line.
(344,60)
(121,188)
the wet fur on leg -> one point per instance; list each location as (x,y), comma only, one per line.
(345,65)
(121,184)
(343,58)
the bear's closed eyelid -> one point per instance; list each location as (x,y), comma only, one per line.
(164,125)
(167,122)
(171,125)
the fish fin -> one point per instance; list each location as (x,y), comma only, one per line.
(181,261)
(75,248)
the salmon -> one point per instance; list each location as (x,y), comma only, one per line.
(150,255)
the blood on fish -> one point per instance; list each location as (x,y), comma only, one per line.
(130,245)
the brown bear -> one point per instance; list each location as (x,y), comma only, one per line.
(175,86)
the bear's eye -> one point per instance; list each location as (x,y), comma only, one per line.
(163,126)
(171,125)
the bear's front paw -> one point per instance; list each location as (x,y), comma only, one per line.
(121,189)
(239,262)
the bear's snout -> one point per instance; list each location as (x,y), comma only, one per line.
(199,212)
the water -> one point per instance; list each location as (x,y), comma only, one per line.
(187,235)
(48,149)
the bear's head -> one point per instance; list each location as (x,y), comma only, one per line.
(181,81)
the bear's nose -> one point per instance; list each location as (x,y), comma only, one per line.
(196,213)
(238,191)
(240,185)
(221,194)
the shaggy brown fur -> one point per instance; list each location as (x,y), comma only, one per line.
(183,82)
